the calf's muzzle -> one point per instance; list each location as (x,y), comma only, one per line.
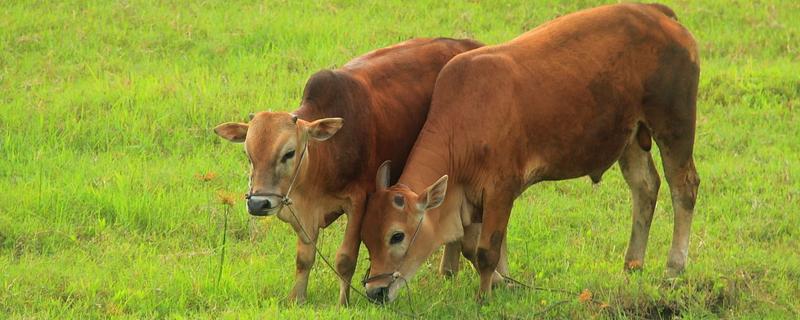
(262,205)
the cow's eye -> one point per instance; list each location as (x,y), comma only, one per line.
(287,156)
(396,238)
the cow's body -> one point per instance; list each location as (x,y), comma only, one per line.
(565,100)
(387,91)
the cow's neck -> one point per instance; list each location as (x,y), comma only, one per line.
(430,159)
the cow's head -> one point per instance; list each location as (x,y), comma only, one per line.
(273,142)
(397,235)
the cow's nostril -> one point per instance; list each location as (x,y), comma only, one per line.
(379,295)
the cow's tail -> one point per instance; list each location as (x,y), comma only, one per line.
(665,10)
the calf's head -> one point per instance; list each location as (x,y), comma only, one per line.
(274,142)
(397,234)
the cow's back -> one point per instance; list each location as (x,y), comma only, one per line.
(534,97)
(400,81)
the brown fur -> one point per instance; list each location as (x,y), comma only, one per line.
(387,91)
(562,101)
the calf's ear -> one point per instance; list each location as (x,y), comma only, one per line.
(433,196)
(323,129)
(383,176)
(232,131)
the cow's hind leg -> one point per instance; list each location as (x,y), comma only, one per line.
(640,173)
(502,265)
(449,265)
(683,183)
(670,112)
(674,134)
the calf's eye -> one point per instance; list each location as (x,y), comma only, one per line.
(287,156)
(396,238)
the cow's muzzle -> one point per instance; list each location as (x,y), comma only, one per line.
(378,287)
(263,205)
(378,295)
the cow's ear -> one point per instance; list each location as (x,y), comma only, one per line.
(383,176)
(323,129)
(433,196)
(232,131)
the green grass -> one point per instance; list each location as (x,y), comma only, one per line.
(105,116)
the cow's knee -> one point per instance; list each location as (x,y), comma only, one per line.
(692,184)
(345,265)
(487,260)
(684,183)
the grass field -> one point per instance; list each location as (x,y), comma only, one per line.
(110,174)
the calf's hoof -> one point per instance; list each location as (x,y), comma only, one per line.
(344,300)
(498,281)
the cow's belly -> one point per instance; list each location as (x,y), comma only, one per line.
(576,153)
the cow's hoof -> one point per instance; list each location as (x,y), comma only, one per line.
(481,299)
(297,299)
(634,266)
(448,273)
(673,272)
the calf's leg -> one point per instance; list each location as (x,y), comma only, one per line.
(305,260)
(347,255)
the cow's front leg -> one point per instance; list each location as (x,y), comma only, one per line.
(347,255)
(469,245)
(495,220)
(305,260)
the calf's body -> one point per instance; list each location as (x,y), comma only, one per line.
(567,99)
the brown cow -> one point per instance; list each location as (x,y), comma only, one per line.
(565,100)
(387,90)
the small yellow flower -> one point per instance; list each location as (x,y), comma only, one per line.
(205,177)
(227,198)
(585,296)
